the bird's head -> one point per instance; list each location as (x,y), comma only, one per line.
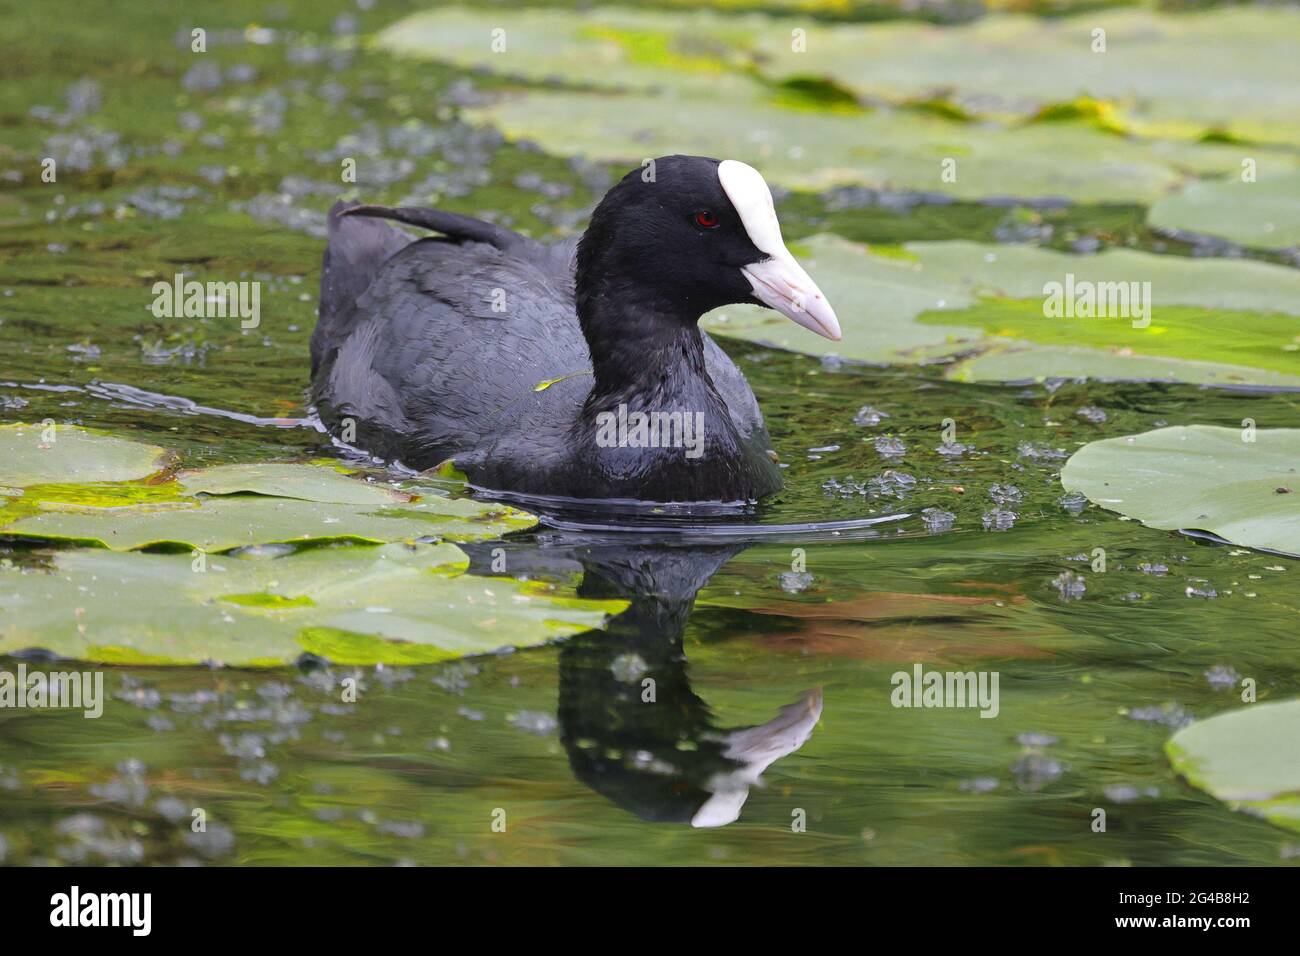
(685,234)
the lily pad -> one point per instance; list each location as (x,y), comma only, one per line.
(1251,347)
(876,297)
(33,454)
(884,149)
(644,84)
(214,509)
(1016,64)
(322,483)
(1264,213)
(1240,484)
(1248,758)
(997,66)
(354,605)
(1018,271)
(606,48)
(223,523)
(1014,363)
(984,303)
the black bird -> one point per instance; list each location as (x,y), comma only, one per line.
(578,369)
(670,762)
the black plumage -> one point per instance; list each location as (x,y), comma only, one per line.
(504,354)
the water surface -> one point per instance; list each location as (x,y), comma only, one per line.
(801,631)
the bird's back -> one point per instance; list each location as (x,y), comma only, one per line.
(441,350)
(457,348)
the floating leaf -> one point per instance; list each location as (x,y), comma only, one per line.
(894,149)
(1250,347)
(32,500)
(1264,213)
(1240,484)
(223,523)
(1248,758)
(732,86)
(1036,363)
(974,299)
(609,48)
(71,455)
(212,509)
(876,297)
(1020,64)
(356,605)
(322,483)
(1019,271)
(997,66)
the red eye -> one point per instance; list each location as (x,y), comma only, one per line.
(706,219)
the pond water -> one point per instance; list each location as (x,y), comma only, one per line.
(975,570)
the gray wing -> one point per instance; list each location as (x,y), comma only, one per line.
(447,348)
(440,346)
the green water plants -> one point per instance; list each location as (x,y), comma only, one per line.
(1055,116)
(1242,484)
(357,572)
(982,309)
(46,453)
(86,487)
(1249,758)
(1262,210)
(323,482)
(352,605)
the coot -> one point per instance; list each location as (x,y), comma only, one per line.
(668,763)
(576,369)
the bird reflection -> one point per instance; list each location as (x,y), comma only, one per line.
(634,730)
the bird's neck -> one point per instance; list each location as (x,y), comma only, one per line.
(645,355)
(654,424)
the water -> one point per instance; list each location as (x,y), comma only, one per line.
(888,547)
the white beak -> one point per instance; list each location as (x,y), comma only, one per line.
(782,283)
(778,281)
